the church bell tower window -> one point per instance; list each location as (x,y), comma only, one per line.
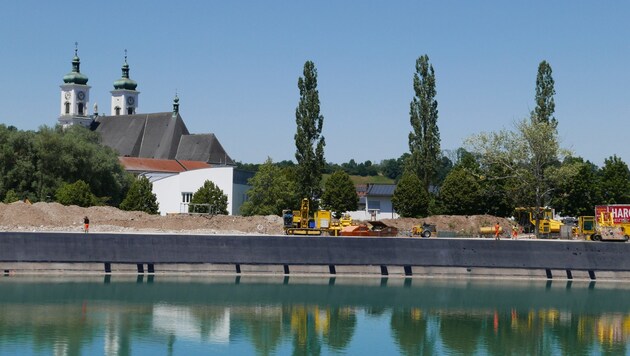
(117,110)
(80,109)
(129,111)
(67,104)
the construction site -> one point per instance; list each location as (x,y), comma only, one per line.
(608,222)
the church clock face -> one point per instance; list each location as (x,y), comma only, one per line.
(81,95)
(130,100)
(67,95)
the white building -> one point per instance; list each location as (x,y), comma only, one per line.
(174,192)
(375,202)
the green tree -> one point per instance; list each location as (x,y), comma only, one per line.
(545,105)
(340,194)
(210,194)
(77,193)
(524,158)
(11,197)
(308,139)
(615,181)
(271,191)
(410,198)
(461,193)
(424,139)
(140,197)
(577,188)
(36,164)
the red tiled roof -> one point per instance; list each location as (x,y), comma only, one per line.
(160,165)
(192,165)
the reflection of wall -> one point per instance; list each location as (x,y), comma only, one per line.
(183,323)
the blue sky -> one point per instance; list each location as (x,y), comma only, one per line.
(235,66)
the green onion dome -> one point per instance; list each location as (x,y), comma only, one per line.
(125,82)
(75,77)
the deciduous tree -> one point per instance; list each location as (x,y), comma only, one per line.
(212,195)
(577,188)
(424,139)
(545,105)
(410,198)
(340,194)
(615,181)
(523,157)
(271,191)
(461,193)
(140,197)
(77,193)
(308,138)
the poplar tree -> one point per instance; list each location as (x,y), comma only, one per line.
(545,105)
(308,139)
(424,139)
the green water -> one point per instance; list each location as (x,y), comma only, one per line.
(121,315)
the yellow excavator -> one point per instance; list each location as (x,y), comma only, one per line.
(299,222)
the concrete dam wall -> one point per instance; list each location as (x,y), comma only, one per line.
(32,252)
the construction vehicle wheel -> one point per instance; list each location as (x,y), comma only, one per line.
(596,237)
(625,238)
(426,233)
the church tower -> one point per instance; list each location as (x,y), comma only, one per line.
(75,96)
(124,95)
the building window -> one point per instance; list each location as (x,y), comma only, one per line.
(130,111)
(374,204)
(117,110)
(186,197)
(80,108)
(67,104)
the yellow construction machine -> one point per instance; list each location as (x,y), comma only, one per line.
(607,229)
(547,226)
(299,222)
(585,227)
(424,230)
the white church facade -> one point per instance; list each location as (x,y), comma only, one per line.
(156,145)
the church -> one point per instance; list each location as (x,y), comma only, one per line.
(156,145)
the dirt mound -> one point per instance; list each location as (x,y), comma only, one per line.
(21,216)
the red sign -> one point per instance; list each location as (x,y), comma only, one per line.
(620,213)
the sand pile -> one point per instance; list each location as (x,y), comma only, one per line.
(20,216)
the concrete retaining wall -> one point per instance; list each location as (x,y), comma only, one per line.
(143,253)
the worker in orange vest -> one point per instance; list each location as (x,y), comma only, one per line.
(497,228)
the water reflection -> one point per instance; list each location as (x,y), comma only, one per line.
(121,316)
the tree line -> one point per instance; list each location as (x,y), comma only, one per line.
(492,173)
(71,167)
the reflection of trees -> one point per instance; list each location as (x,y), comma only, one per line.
(304,322)
(410,331)
(342,322)
(513,333)
(574,335)
(266,329)
(460,332)
(64,329)
(375,311)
